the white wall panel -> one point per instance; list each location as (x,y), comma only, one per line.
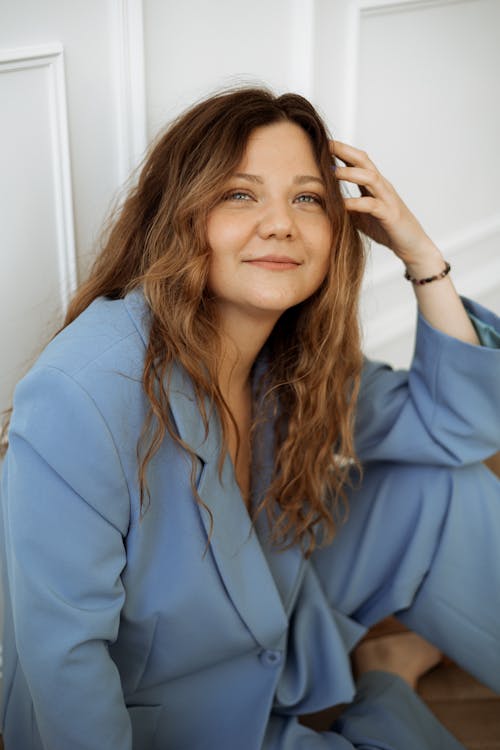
(37,247)
(127,45)
(86,32)
(429,102)
(428,112)
(336,63)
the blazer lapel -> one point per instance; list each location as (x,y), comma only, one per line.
(286,565)
(246,571)
(235,546)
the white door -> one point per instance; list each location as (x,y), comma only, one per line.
(85,84)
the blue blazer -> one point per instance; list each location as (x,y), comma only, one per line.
(119,632)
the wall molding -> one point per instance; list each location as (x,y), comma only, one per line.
(351,88)
(302,41)
(374,7)
(130,84)
(51,57)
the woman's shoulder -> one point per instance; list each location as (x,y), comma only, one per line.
(89,375)
(108,333)
(97,360)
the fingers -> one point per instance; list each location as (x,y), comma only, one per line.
(366,205)
(379,212)
(368,177)
(361,171)
(350,155)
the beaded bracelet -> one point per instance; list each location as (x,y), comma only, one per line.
(428,280)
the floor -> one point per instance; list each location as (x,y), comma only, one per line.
(467,708)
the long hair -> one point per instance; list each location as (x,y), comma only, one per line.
(158,242)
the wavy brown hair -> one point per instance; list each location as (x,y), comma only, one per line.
(158,241)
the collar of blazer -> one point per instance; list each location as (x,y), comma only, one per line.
(261,581)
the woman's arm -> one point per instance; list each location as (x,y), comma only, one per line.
(66,513)
(384,217)
(438,301)
(445,410)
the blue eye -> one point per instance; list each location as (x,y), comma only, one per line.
(309,199)
(237,195)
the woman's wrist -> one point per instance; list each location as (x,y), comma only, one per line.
(428,262)
(405,654)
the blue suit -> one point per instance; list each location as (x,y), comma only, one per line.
(120,633)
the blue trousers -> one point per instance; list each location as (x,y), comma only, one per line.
(421,542)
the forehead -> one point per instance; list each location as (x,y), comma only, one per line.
(279,144)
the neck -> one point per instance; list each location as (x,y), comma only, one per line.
(243,338)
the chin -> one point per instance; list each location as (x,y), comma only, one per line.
(275,306)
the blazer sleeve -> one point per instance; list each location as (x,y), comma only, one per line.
(66,508)
(445,410)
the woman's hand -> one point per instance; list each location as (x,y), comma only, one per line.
(382,215)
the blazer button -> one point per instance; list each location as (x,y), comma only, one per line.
(271,658)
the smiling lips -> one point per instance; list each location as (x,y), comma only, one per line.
(274,262)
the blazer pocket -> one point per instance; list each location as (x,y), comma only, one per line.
(144,724)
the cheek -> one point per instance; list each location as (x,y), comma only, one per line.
(214,272)
(224,235)
(212,232)
(221,270)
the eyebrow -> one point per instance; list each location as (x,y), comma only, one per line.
(298,180)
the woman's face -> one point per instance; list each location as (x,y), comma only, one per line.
(270,235)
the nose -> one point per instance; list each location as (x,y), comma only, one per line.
(277,221)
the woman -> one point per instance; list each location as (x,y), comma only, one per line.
(190,552)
